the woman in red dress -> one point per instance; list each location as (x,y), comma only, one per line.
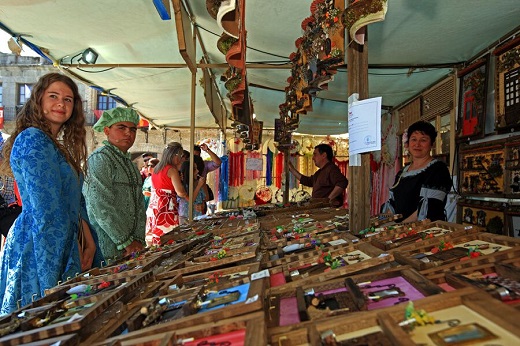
(162,214)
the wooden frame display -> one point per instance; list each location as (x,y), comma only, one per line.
(502,285)
(472,100)
(484,265)
(454,312)
(312,251)
(363,256)
(392,239)
(462,307)
(362,292)
(507,87)
(52,315)
(250,326)
(447,249)
(64,340)
(481,169)
(512,168)
(489,215)
(197,306)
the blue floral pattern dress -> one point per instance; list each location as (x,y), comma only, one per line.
(41,247)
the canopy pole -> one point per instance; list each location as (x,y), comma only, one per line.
(192,137)
(358,176)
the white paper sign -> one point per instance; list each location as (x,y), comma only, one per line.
(253,164)
(261,274)
(364,126)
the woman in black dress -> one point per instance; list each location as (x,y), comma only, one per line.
(421,187)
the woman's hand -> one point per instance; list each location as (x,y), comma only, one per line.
(86,254)
(201,182)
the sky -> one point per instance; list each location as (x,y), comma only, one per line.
(4,37)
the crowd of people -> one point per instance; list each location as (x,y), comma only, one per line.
(79,211)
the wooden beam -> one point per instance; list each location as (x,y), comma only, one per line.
(358,176)
(184,35)
(179,65)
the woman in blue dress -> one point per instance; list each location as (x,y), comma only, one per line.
(46,154)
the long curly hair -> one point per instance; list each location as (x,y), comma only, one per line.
(169,152)
(71,140)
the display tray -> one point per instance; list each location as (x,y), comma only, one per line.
(410,234)
(63,313)
(64,340)
(447,249)
(219,275)
(247,329)
(312,302)
(484,265)
(289,276)
(461,318)
(386,229)
(183,309)
(503,284)
(309,248)
(212,255)
(231,243)
(264,210)
(231,229)
(463,308)
(283,247)
(189,267)
(299,228)
(317,214)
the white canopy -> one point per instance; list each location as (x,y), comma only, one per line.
(431,36)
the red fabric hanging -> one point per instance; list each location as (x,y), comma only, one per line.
(236,169)
(278,170)
(343,167)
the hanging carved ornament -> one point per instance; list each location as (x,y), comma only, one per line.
(361,13)
(212,6)
(225,42)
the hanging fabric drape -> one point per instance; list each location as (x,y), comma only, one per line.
(343,167)
(269,167)
(223,179)
(278,170)
(236,169)
(216,186)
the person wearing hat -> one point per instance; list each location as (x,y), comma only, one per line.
(144,169)
(113,187)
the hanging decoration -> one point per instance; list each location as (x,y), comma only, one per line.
(269,167)
(278,170)
(361,13)
(224,179)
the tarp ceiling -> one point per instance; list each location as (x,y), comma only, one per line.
(434,34)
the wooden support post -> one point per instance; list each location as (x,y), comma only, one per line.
(192,139)
(358,176)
